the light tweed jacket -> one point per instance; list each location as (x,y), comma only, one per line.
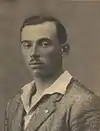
(77,110)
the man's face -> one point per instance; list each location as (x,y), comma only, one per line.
(41,48)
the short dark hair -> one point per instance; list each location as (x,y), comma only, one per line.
(39,19)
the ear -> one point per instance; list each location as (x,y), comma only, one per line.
(65,49)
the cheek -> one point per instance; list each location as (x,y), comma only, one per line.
(25,54)
(52,54)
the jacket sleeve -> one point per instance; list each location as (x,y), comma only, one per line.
(85,114)
(6,121)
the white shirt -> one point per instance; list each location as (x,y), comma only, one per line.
(59,86)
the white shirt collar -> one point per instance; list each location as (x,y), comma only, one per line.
(59,86)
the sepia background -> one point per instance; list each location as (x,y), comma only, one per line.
(82,21)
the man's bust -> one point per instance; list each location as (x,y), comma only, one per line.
(54,100)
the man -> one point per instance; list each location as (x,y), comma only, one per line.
(54,100)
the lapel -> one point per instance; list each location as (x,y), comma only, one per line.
(43,112)
(17,118)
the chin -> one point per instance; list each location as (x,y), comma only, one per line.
(37,73)
(40,73)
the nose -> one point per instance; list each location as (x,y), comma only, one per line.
(34,51)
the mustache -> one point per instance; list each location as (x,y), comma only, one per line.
(32,59)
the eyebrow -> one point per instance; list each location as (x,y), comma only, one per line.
(28,41)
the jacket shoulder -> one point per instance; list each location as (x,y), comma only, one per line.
(76,88)
(85,107)
(12,102)
(78,93)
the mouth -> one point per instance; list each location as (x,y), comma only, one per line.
(35,64)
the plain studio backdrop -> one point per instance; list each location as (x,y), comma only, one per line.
(82,21)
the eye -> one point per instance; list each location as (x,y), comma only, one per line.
(44,42)
(26,44)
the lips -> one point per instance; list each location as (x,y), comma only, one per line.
(35,63)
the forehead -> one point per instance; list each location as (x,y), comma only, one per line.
(34,32)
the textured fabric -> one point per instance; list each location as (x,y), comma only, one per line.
(76,110)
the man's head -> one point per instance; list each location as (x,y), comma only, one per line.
(43,43)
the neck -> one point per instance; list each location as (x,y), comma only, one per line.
(43,83)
